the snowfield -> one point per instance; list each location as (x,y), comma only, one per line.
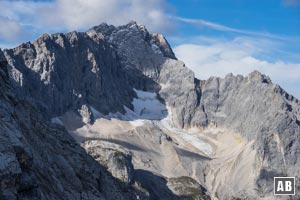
(147,106)
(157,145)
(147,109)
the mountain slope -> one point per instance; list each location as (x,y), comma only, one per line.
(40,160)
(251,106)
(80,77)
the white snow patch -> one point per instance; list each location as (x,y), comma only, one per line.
(56,120)
(117,115)
(138,122)
(147,106)
(95,112)
(186,136)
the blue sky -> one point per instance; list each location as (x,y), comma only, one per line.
(275,16)
(211,37)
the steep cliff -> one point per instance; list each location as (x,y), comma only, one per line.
(40,160)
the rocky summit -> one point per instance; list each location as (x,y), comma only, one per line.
(111,113)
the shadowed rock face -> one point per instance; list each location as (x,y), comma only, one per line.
(3,74)
(40,160)
(64,72)
(99,68)
(180,188)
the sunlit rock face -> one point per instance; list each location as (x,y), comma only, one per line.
(121,89)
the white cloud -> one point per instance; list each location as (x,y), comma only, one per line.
(83,14)
(10,29)
(77,14)
(237,56)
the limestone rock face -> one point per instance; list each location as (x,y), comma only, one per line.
(99,70)
(3,75)
(260,111)
(40,160)
(180,94)
(63,72)
(140,53)
(151,65)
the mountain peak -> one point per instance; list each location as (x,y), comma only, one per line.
(256,75)
(134,32)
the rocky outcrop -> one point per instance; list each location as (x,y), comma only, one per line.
(142,183)
(140,52)
(180,188)
(118,162)
(187,188)
(64,72)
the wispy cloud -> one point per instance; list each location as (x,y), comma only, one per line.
(291,2)
(219,27)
